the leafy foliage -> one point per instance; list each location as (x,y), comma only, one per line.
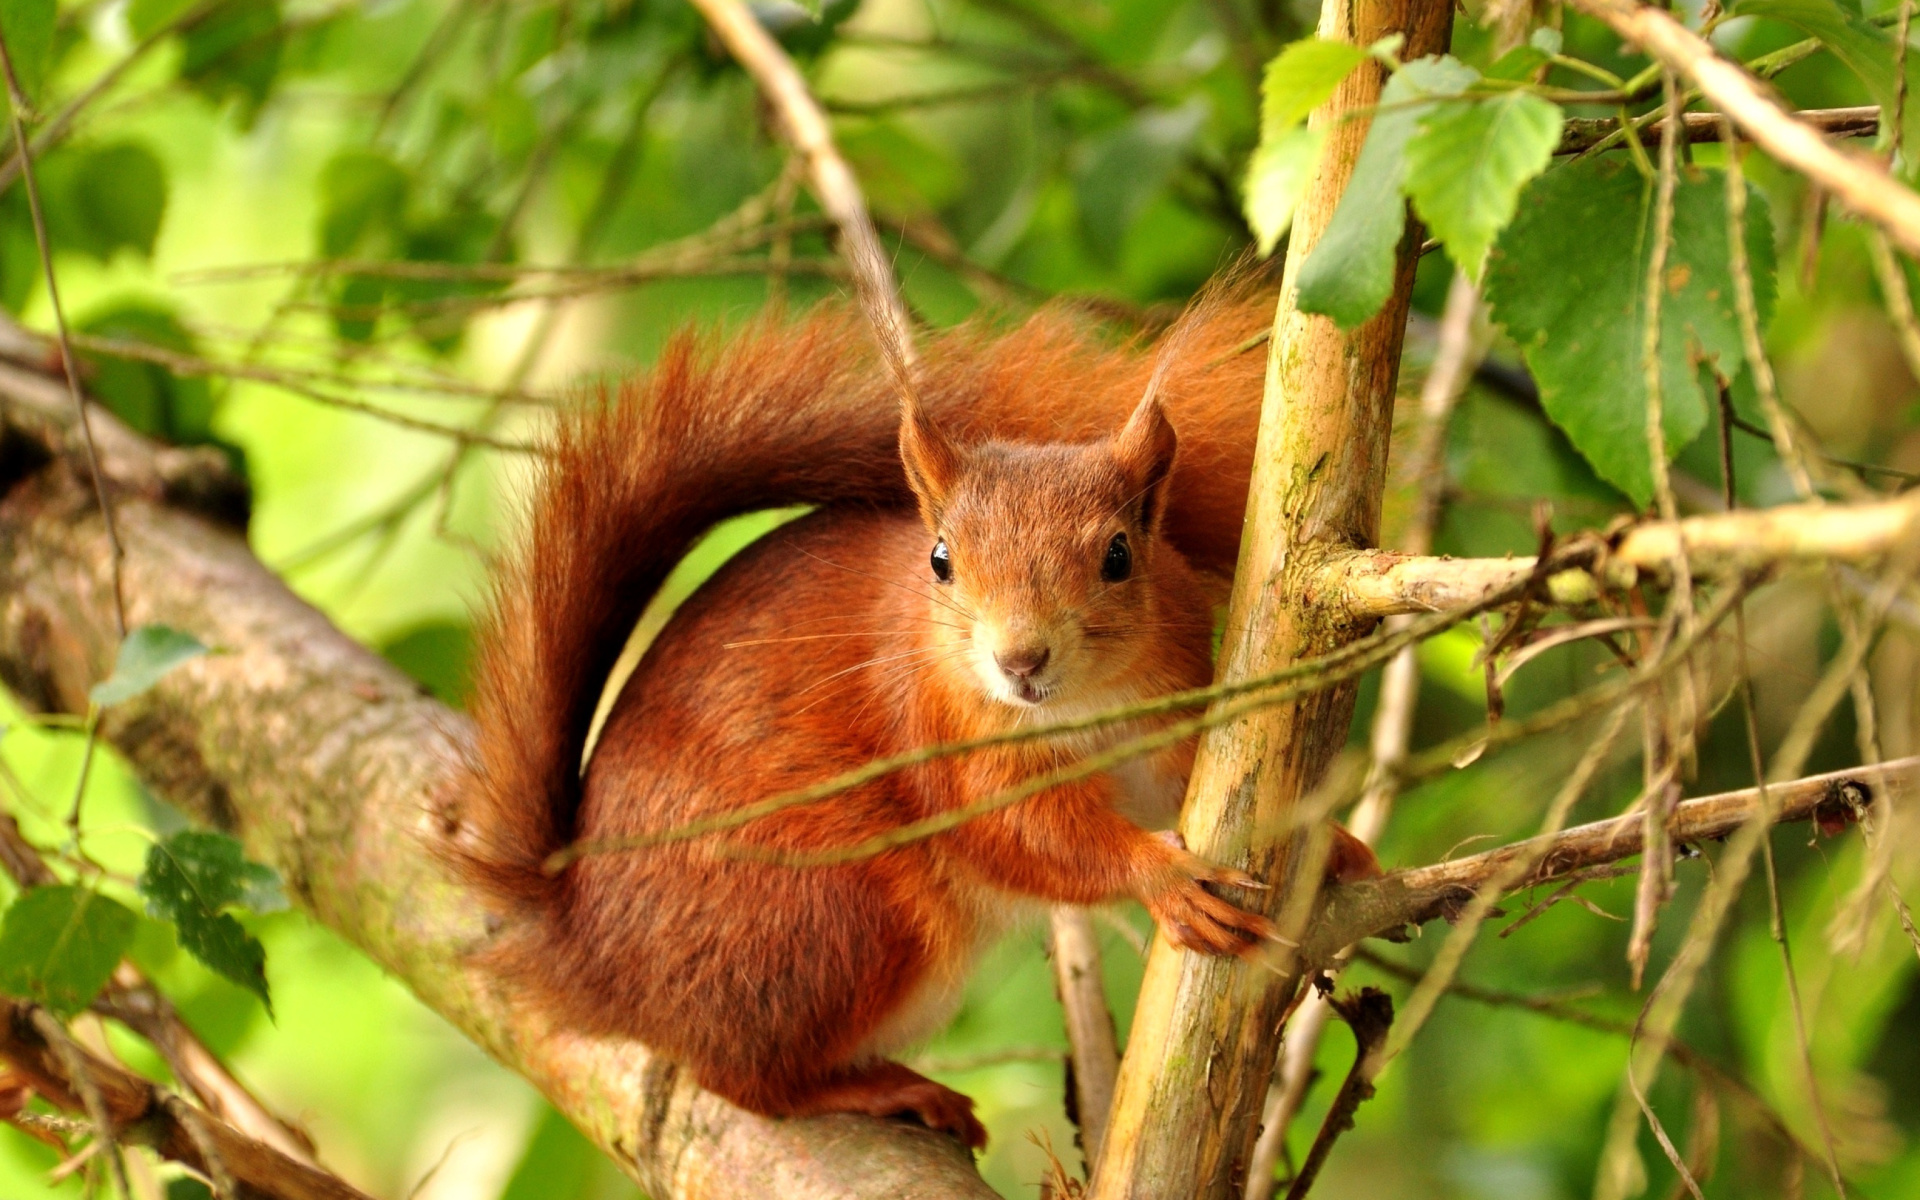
(1298,80)
(1467,164)
(59,944)
(1568,282)
(146,656)
(27,27)
(147,396)
(190,878)
(1350,273)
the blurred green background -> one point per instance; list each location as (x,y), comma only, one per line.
(1013,150)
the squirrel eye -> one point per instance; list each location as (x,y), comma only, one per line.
(942,562)
(1118,564)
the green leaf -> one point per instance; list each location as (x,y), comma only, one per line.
(1350,272)
(1468,162)
(363,200)
(235,53)
(60,944)
(146,655)
(147,17)
(28,27)
(146,395)
(1298,80)
(118,196)
(1277,176)
(189,879)
(1568,281)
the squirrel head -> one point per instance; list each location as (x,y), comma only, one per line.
(1040,565)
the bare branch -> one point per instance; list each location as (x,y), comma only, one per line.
(832,180)
(1584,133)
(1379,583)
(1375,907)
(143,1113)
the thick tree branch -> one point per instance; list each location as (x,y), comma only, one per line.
(334,767)
(1385,906)
(1379,583)
(1202,1046)
(143,1114)
(1859,182)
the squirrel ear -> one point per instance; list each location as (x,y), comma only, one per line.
(932,462)
(1145,448)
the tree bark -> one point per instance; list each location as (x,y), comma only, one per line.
(333,767)
(1205,1031)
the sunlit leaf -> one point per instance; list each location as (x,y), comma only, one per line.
(60,944)
(1350,272)
(146,656)
(1468,162)
(190,878)
(1298,80)
(1568,281)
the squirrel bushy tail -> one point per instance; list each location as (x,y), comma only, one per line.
(778,415)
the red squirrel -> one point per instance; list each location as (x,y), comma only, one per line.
(1031,541)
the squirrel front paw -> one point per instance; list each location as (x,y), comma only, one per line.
(1197,919)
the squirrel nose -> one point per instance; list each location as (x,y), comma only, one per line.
(1024,662)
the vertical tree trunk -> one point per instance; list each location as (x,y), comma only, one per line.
(1206,1030)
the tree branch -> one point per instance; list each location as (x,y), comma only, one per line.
(332,766)
(144,1114)
(1205,1032)
(1583,133)
(1385,906)
(1859,182)
(1379,583)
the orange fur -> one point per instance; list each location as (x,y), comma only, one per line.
(831,642)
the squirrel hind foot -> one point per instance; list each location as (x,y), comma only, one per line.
(888,1089)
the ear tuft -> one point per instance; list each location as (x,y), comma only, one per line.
(931,460)
(1145,447)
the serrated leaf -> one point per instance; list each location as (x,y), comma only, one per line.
(189,879)
(60,944)
(1350,272)
(1467,164)
(146,656)
(28,28)
(1299,80)
(1568,281)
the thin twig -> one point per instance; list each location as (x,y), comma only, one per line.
(17,107)
(1369,1013)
